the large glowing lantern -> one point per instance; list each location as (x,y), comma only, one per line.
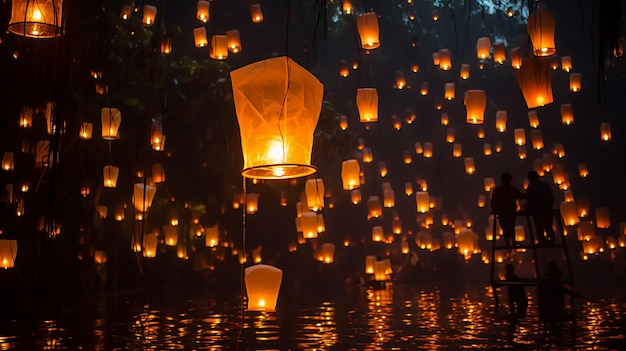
(534,81)
(475,103)
(110,174)
(483,46)
(367,103)
(278,104)
(36,18)
(8,252)
(314,190)
(143,194)
(149,15)
(540,28)
(262,287)
(202,10)
(199,37)
(350,171)
(368,30)
(111,119)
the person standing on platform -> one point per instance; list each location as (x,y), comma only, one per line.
(540,201)
(504,206)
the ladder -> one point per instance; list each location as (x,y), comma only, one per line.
(540,254)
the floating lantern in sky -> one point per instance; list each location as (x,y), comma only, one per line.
(202,10)
(537,139)
(314,190)
(567,114)
(86,131)
(534,81)
(501,117)
(8,161)
(110,174)
(36,18)
(400,80)
(199,37)
(125,12)
(520,136)
(252,203)
(605,131)
(262,287)
(575,82)
(498,53)
(422,201)
(367,24)
(367,104)
(350,170)
(540,27)
(582,170)
(233,40)
(566,63)
(457,150)
(516,58)
(445,59)
(603,219)
(436,58)
(449,91)
(149,15)
(8,253)
(111,119)
(256,13)
(219,48)
(347,7)
(276,118)
(469,165)
(143,194)
(444,120)
(374,207)
(450,135)
(465,71)
(475,103)
(483,47)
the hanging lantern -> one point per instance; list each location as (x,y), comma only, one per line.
(86,131)
(143,195)
(199,37)
(350,170)
(262,287)
(516,58)
(7,161)
(465,71)
(8,253)
(374,207)
(355,196)
(314,190)
(475,103)
(367,104)
(276,118)
(575,82)
(368,30)
(483,47)
(605,131)
(125,12)
(457,150)
(219,48)
(566,63)
(256,13)
(540,28)
(534,81)
(469,165)
(422,200)
(202,11)
(111,120)
(110,174)
(158,173)
(252,203)
(233,40)
(36,18)
(499,55)
(445,59)
(149,15)
(449,91)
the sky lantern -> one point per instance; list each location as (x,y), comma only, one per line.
(326,253)
(408,188)
(110,174)
(308,223)
(483,47)
(347,7)
(26,117)
(143,194)
(355,196)
(490,183)
(516,58)
(369,264)
(111,119)
(487,149)
(367,155)
(568,212)
(36,18)
(534,81)
(449,91)
(367,103)
(278,104)
(211,235)
(481,201)
(445,59)
(521,152)
(344,70)
(262,287)
(605,131)
(450,135)
(126,11)
(499,55)
(233,40)
(382,169)
(418,148)
(537,139)
(465,71)
(501,117)
(389,198)
(219,47)
(256,13)
(350,170)
(199,37)
(400,80)
(150,243)
(582,170)
(436,60)
(8,162)
(566,63)
(428,150)
(149,15)
(343,122)
(520,236)
(444,119)
(8,253)
(252,203)
(314,190)
(377,233)
(170,234)
(575,82)
(520,136)
(475,103)
(469,165)
(202,10)
(540,27)
(86,131)
(567,114)
(374,207)
(368,30)
(422,201)
(603,219)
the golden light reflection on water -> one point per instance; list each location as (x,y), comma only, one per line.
(394,317)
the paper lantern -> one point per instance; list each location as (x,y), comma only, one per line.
(475,103)
(8,253)
(26,117)
(444,119)
(170,233)
(36,18)
(575,82)
(380,274)
(233,40)
(199,37)
(350,170)
(481,200)
(483,47)
(534,81)
(521,152)
(278,104)
(469,165)
(256,13)
(369,264)
(125,12)
(449,91)
(102,211)
(211,235)
(603,219)
(568,212)
(418,148)
(143,195)
(520,136)
(422,201)
(389,198)
(355,196)
(382,168)
(309,224)
(367,24)
(347,7)
(150,243)
(42,153)
(499,55)
(111,119)
(374,207)
(487,149)
(86,131)
(465,71)
(424,89)
(582,170)
(327,253)
(367,155)
(428,149)
(149,15)
(8,161)
(516,58)
(252,203)
(158,173)
(367,104)
(262,287)
(537,139)
(465,242)
(377,234)
(558,173)
(219,50)
(450,135)
(321,227)
(109,175)
(202,10)
(540,26)
(490,183)
(400,80)
(605,131)
(314,190)
(445,59)
(501,117)
(519,233)
(567,114)
(566,63)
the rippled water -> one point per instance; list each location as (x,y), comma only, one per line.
(395,318)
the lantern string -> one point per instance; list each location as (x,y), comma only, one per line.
(288,84)
(242,262)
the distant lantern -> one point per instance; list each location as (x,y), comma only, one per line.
(343,122)
(400,80)
(202,10)
(102,211)
(520,136)
(111,120)
(501,117)
(540,26)
(481,201)
(308,224)
(233,40)
(537,139)
(575,82)
(86,131)
(355,196)
(534,81)
(397,123)
(568,212)
(445,59)
(582,170)
(26,117)
(418,148)
(150,243)
(368,30)
(521,152)
(369,264)
(344,70)
(428,149)
(605,131)
(422,201)
(382,168)
(424,89)
(314,190)
(487,149)
(516,58)
(367,155)
(276,118)
(199,37)
(566,63)
(457,150)
(347,7)
(435,13)
(326,253)
(125,12)
(374,207)
(158,173)
(499,55)
(262,287)
(475,103)
(219,48)
(469,165)
(36,18)
(149,15)
(533,119)
(8,253)
(449,91)
(519,233)
(465,71)
(408,188)
(367,104)
(143,194)
(252,203)
(389,198)
(110,174)
(211,235)
(8,162)
(256,13)
(490,183)
(170,234)
(483,47)
(444,119)
(567,114)
(450,132)
(603,219)
(350,171)
(377,234)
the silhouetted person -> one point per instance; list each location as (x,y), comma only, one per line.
(551,299)
(503,204)
(518,302)
(539,205)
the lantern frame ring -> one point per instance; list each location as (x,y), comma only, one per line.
(288,171)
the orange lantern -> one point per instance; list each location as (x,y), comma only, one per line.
(149,15)
(8,161)
(449,91)
(537,139)
(422,201)
(605,131)
(36,18)
(483,47)
(125,12)
(475,103)
(110,174)
(540,26)
(465,71)
(368,30)
(202,10)
(219,47)
(534,81)
(457,150)
(256,13)
(566,63)
(444,119)
(8,253)
(347,7)
(111,119)
(400,80)
(199,37)
(450,135)
(233,41)
(516,58)
(501,117)
(350,170)
(374,207)
(367,104)
(498,53)
(86,131)
(469,165)
(582,170)
(575,82)
(262,287)
(567,114)
(445,59)
(520,136)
